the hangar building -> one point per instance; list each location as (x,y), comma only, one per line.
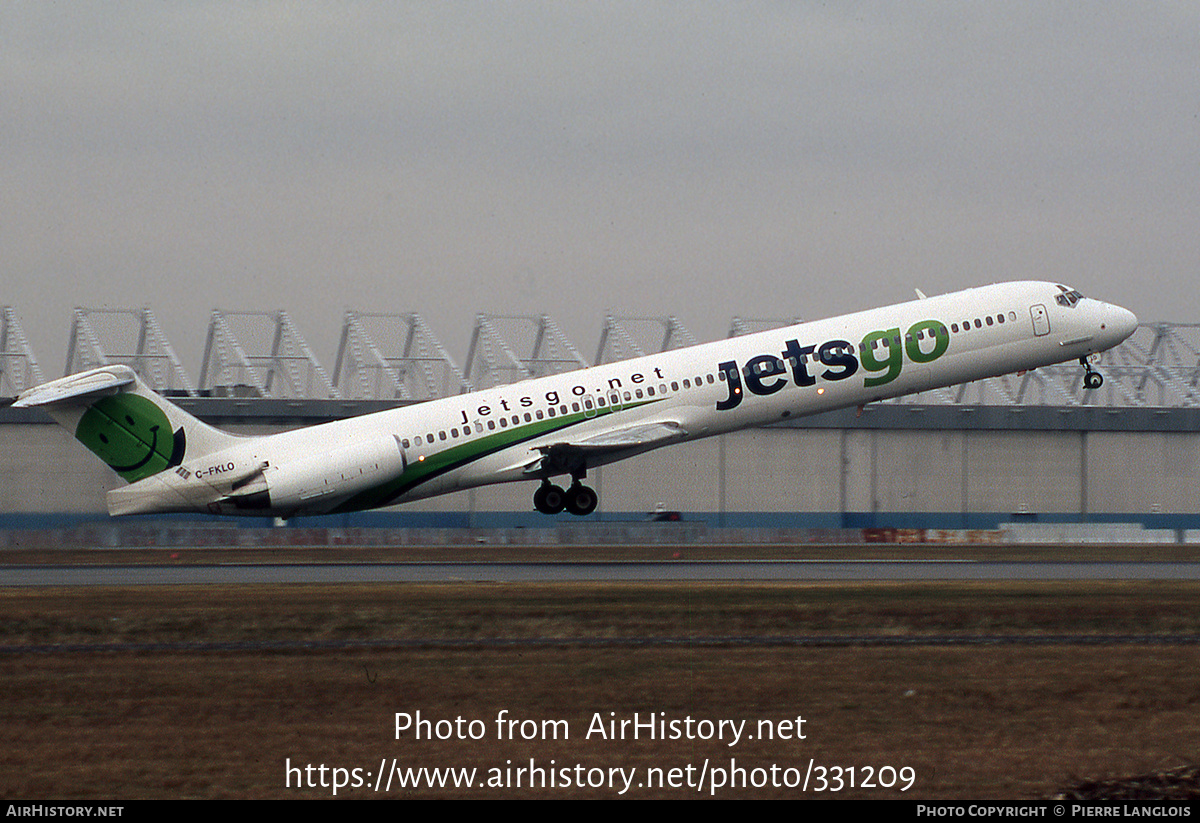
(1034,448)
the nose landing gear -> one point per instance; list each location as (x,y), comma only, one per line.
(1091,379)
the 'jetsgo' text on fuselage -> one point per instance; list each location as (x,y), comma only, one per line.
(881,353)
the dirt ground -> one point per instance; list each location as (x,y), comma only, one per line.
(217,712)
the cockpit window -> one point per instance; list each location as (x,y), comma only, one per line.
(1068,298)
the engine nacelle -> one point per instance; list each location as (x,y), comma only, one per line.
(315,484)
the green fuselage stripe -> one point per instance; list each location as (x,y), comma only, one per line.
(434,465)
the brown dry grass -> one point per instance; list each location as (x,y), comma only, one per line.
(974,722)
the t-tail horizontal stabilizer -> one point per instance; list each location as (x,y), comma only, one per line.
(78,389)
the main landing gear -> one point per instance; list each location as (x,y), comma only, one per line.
(1091,379)
(578,499)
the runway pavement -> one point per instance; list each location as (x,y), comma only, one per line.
(657,571)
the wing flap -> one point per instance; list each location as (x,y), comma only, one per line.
(634,437)
(569,456)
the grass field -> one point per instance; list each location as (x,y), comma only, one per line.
(972,722)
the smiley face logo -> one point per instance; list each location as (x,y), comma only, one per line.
(132,435)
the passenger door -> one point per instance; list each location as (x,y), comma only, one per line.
(1041,320)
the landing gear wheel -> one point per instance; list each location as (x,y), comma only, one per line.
(549,499)
(581,499)
(1091,379)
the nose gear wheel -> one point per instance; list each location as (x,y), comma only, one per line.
(1092,379)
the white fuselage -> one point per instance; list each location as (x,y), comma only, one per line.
(610,412)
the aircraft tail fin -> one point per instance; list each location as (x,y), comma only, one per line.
(125,423)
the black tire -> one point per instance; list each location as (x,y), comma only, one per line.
(582,500)
(1093,380)
(549,499)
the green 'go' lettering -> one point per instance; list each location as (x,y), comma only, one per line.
(894,362)
(871,363)
(941,340)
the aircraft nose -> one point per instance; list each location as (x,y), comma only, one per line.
(1119,323)
(1126,322)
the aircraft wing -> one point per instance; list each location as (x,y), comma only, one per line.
(650,434)
(567,456)
(104,380)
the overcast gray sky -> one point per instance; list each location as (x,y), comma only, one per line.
(702,159)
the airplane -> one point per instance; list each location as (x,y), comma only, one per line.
(566,424)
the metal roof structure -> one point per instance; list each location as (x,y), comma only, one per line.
(101,337)
(492,358)
(389,357)
(18,367)
(287,367)
(1160,364)
(740,326)
(385,356)
(622,338)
